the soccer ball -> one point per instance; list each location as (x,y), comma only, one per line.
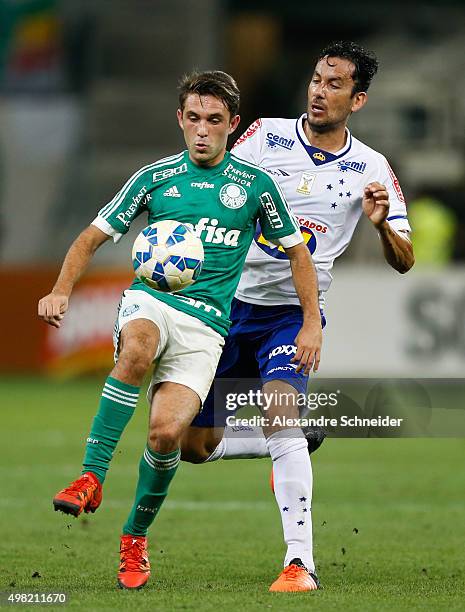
(167,256)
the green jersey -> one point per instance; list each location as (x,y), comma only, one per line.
(222,204)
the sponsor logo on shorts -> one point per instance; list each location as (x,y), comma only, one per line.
(290,368)
(284,349)
(233,196)
(129,310)
(92,441)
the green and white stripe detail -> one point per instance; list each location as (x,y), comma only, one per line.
(118,395)
(107,210)
(159,463)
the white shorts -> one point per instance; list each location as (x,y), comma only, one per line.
(189,350)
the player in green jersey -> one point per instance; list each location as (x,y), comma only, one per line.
(222,198)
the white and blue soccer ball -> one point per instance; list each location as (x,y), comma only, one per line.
(167,256)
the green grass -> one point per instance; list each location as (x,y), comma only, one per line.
(217,544)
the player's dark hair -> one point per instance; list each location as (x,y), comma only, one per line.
(211,83)
(365,62)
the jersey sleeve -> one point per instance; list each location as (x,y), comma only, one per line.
(397,217)
(249,145)
(115,218)
(278,223)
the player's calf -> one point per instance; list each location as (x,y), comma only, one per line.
(198,443)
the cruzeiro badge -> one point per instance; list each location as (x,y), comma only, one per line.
(233,196)
(306,183)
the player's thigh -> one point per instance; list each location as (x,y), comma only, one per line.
(190,356)
(140,325)
(237,363)
(198,443)
(276,351)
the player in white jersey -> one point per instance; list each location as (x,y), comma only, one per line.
(329,179)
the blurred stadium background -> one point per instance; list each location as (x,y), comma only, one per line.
(87,96)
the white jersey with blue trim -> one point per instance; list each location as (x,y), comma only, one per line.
(324,191)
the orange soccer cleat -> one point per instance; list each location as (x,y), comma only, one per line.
(134,569)
(295,577)
(85,493)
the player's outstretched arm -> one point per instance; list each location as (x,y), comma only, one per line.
(53,306)
(398,250)
(309,338)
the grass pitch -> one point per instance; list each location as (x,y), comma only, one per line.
(388,519)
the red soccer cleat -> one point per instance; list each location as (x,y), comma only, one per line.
(85,493)
(295,577)
(134,568)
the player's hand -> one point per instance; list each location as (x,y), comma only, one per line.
(376,203)
(52,308)
(308,342)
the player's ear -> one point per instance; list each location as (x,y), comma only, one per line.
(179,115)
(359,101)
(234,123)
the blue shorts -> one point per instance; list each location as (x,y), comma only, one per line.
(260,345)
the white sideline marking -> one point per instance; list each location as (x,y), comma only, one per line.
(228,506)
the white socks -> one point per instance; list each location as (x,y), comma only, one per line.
(241,443)
(293,480)
(292,472)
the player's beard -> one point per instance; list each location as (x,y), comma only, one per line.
(320,128)
(326,127)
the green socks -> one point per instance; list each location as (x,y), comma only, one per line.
(117,406)
(155,474)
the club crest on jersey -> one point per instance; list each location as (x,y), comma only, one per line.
(275,140)
(319,156)
(359,167)
(233,196)
(306,183)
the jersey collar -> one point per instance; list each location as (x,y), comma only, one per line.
(319,156)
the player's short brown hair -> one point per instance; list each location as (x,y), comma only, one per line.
(211,83)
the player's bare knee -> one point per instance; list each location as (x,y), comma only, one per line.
(134,361)
(164,437)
